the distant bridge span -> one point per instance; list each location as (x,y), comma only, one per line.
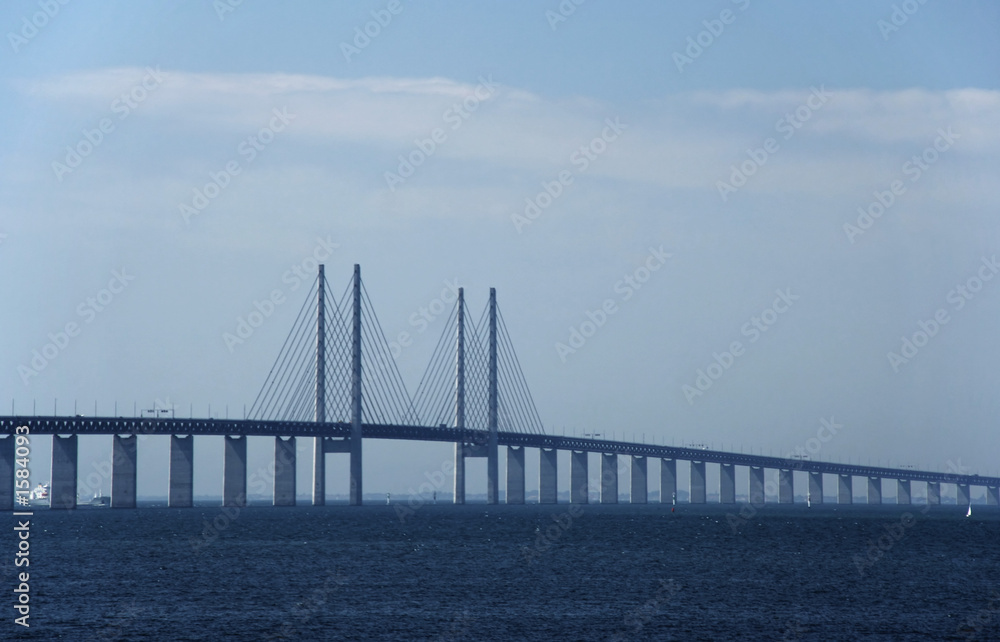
(325,387)
(475,440)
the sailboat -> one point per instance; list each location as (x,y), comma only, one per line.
(968,513)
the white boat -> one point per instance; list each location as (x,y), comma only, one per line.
(968,513)
(41,493)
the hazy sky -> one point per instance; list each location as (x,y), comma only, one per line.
(721,155)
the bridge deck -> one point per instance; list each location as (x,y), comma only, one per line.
(250,427)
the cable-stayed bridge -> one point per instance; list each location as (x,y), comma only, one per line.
(335,382)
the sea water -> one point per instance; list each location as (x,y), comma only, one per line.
(477,572)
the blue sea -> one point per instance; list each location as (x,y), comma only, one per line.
(480,572)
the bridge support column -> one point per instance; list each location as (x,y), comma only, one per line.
(319,471)
(357,397)
(548,461)
(493,474)
(962,495)
(459,489)
(786,486)
(697,494)
(234,472)
(845,489)
(992,496)
(7,473)
(902,491)
(356,493)
(874,490)
(668,481)
(933,493)
(515,475)
(458,496)
(816,488)
(62,488)
(123,466)
(180,492)
(578,492)
(284,471)
(756,486)
(609,478)
(493,407)
(727,484)
(319,409)
(640,487)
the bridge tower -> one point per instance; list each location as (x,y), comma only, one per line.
(356,393)
(492,459)
(319,443)
(474,386)
(459,493)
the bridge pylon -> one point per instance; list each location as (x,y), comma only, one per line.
(323,375)
(475,384)
(492,454)
(319,443)
(459,486)
(356,392)
(324,445)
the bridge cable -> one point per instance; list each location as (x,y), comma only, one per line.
(269,381)
(398,395)
(288,372)
(523,382)
(435,377)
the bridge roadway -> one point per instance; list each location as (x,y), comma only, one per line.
(54,425)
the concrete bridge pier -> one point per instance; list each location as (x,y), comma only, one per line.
(962,495)
(62,488)
(845,489)
(515,475)
(786,486)
(756,486)
(992,496)
(902,491)
(816,488)
(933,493)
(492,472)
(727,484)
(874,490)
(355,490)
(7,468)
(180,484)
(609,478)
(578,492)
(668,481)
(463,451)
(547,479)
(284,471)
(640,487)
(234,471)
(493,406)
(458,492)
(319,471)
(123,467)
(698,490)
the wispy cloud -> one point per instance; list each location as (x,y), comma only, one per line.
(683,140)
